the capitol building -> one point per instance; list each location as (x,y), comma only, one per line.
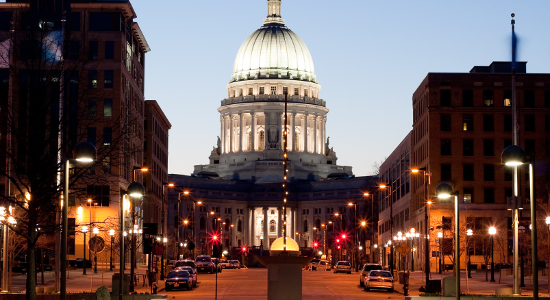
(238,194)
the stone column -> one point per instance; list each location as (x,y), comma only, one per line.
(222,135)
(266,240)
(241,136)
(253,226)
(310,223)
(293,132)
(231,142)
(305,133)
(246,226)
(253,131)
(315,138)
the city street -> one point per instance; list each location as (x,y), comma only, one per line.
(252,284)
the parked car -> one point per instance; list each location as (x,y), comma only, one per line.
(379,279)
(343,266)
(191,271)
(324,265)
(313,264)
(185,262)
(178,279)
(204,263)
(365,271)
(224,264)
(234,264)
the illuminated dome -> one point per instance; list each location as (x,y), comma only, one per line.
(278,245)
(273,51)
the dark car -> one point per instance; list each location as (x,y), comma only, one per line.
(191,271)
(185,262)
(365,271)
(204,263)
(79,263)
(178,279)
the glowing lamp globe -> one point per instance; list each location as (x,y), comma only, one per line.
(291,245)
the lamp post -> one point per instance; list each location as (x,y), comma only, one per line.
(135,190)
(112,234)
(366,194)
(95,232)
(350,204)
(469,233)
(445,191)
(427,177)
(492,231)
(440,237)
(84,230)
(521,273)
(412,234)
(383,186)
(83,152)
(514,156)
(375,247)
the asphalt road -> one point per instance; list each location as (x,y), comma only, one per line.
(252,284)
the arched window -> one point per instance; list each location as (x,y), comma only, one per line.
(227,225)
(261,142)
(272,226)
(318,224)
(203,223)
(239,225)
(306,228)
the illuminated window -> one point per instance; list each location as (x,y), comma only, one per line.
(273,90)
(296,91)
(261,90)
(250,91)
(508,98)
(468,122)
(272,226)
(488,98)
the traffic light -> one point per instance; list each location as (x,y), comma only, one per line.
(244,249)
(315,244)
(339,247)
(344,236)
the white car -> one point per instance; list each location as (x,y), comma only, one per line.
(342,266)
(380,279)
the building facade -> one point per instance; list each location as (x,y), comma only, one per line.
(95,53)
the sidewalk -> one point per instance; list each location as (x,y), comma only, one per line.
(477,284)
(77,282)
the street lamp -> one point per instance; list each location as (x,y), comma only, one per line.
(440,237)
(445,191)
(135,190)
(95,231)
(427,175)
(112,234)
(469,233)
(412,234)
(83,152)
(84,230)
(514,156)
(492,231)
(383,186)
(355,258)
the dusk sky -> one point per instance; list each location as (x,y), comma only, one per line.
(369,56)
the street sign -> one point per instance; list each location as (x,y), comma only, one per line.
(404,249)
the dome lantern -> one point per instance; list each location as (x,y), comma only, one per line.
(274,13)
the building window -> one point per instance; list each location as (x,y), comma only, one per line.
(507,98)
(530,147)
(446,147)
(107,107)
(250,91)
(108,81)
(91,135)
(107,136)
(445,97)
(507,123)
(273,90)
(240,92)
(105,21)
(99,194)
(92,79)
(468,172)
(529,123)
(488,123)
(488,172)
(272,226)
(488,98)
(239,225)
(489,195)
(92,108)
(467,98)
(261,90)
(73,50)
(445,122)
(285,90)
(296,92)
(529,96)
(93,50)
(468,147)
(445,172)
(468,122)
(468,195)
(109,50)
(488,147)
(106,164)
(305,93)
